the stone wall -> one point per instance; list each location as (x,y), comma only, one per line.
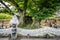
(44,22)
(4,22)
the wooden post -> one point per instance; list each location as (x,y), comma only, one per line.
(14,32)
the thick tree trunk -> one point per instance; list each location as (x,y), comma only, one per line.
(21,19)
(36,24)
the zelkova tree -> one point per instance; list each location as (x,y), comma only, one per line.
(37,9)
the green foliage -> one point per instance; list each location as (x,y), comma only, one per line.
(42,9)
(5,16)
(4,10)
(39,9)
(20,3)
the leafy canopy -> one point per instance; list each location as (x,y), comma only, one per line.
(42,9)
(38,9)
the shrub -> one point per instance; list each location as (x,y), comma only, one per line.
(5,16)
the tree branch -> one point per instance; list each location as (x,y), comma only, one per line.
(25,6)
(16,5)
(6,7)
